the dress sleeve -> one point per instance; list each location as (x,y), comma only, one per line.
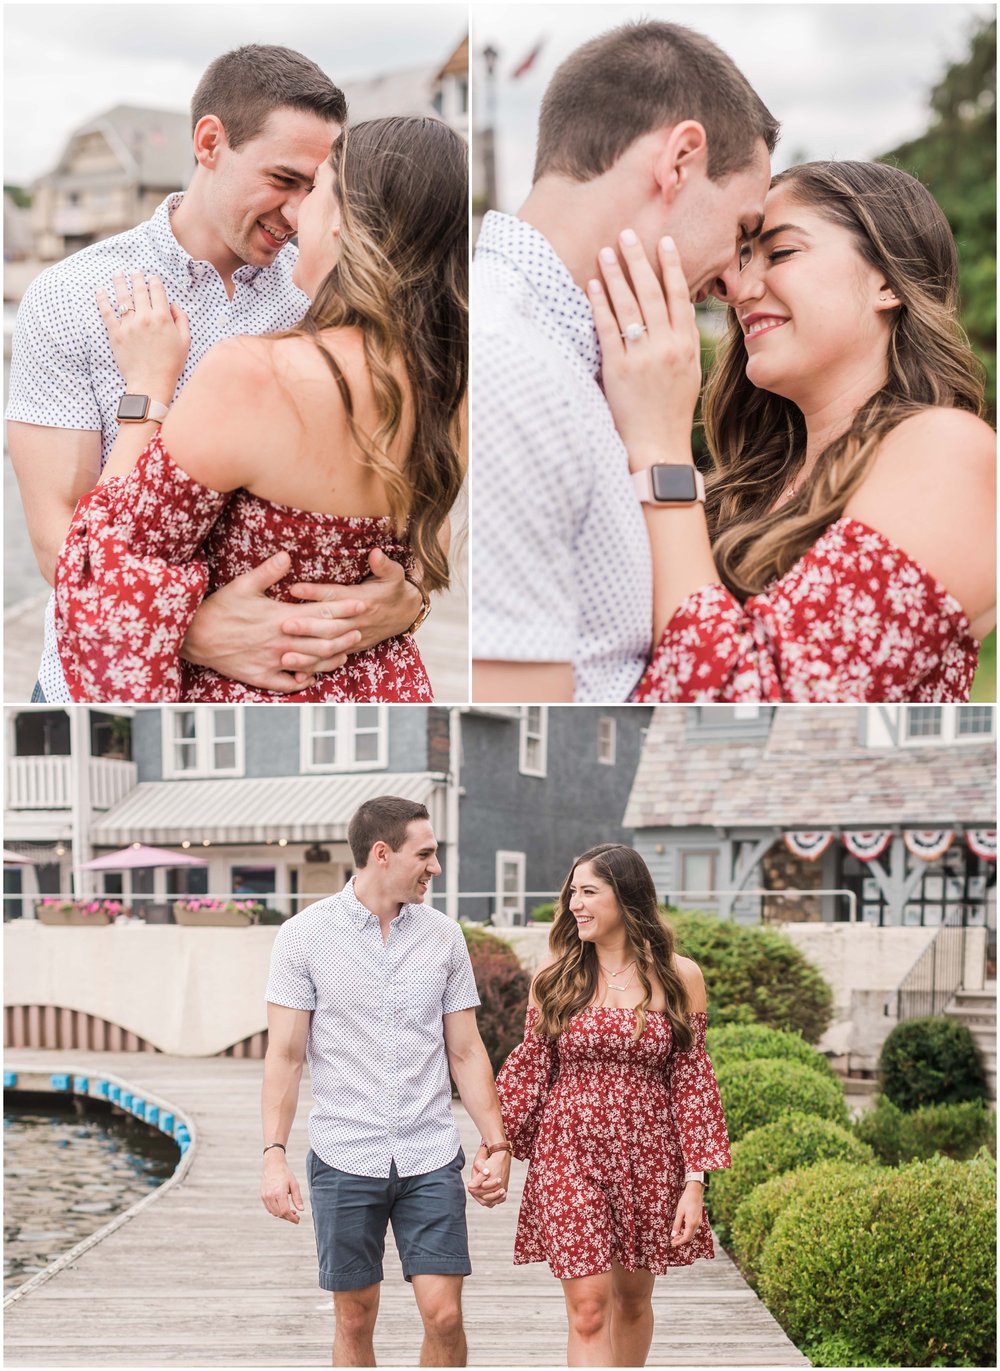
(130,578)
(523,1086)
(854,620)
(695,1104)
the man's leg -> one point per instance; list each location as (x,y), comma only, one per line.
(354,1339)
(439,1299)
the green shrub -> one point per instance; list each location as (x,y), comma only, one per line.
(746,1041)
(955,1130)
(837,1351)
(754,975)
(763,1207)
(931,1061)
(480,939)
(503,986)
(543,913)
(796,1140)
(901,1265)
(762,1091)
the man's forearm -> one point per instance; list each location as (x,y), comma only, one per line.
(474,1078)
(279,1096)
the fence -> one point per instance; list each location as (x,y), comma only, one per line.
(936,974)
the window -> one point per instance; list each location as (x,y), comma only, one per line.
(345,737)
(510,887)
(606,729)
(534,740)
(698,873)
(723,721)
(948,723)
(207,741)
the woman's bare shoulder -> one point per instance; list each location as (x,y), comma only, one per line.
(694,982)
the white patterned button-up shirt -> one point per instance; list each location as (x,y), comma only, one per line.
(63,372)
(561,567)
(376,1040)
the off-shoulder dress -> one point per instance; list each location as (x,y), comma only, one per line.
(610,1124)
(142,552)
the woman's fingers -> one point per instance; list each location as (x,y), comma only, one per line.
(675,286)
(604,320)
(623,301)
(646,286)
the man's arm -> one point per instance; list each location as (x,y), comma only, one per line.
(471,1070)
(514,682)
(288,1032)
(54,467)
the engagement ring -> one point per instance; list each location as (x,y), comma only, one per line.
(633,332)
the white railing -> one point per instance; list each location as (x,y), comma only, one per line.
(46,782)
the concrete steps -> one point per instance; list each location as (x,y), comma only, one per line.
(977,1009)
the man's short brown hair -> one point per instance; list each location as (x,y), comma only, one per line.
(384,819)
(640,77)
(244,86)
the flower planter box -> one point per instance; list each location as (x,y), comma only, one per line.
(64,917)
(211,918)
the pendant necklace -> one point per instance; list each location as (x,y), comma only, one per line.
(607,976)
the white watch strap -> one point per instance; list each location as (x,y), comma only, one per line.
(694,1176)
(158,412)
(642,484)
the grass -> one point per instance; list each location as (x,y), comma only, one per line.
(984,686)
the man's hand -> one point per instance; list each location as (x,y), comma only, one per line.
(386,605)
(279,1190)
(490,1177)
(240,633)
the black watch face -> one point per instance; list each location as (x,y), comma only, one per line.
(133,406)
(674,483)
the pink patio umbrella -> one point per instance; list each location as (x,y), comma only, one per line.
(18,859)
(137,856)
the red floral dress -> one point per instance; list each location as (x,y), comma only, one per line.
(854,620)
(144,550)
(610,1125)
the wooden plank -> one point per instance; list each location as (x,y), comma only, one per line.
(205,1277)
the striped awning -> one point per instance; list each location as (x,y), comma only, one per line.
(300,809)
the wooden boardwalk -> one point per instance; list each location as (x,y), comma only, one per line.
(203,1276)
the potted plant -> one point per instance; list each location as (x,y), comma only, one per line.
(60,909)
(202,912)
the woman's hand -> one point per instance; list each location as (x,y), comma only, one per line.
(651,379)
(149,336)
(687,1217)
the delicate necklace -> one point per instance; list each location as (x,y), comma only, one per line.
(607,975)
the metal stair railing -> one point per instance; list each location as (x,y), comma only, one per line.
(937,973)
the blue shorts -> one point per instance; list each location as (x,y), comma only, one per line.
(351,1215)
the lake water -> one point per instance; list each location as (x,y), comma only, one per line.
(66,1175)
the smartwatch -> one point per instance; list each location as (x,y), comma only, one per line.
(137,409)
(669,485)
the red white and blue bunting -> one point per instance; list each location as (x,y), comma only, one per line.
(809,845)
(868,845)
(983,842)
(928,843)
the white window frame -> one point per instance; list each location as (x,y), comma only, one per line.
(516,859)
(949,735)
(204,741)
(713,883)
(607,740)
(345,735)
(527,734)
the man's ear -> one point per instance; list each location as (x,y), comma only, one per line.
(683,152)
(209,140)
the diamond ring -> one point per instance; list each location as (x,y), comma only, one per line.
(633,332)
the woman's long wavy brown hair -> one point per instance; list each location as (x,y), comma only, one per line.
(403,279)
(570,982)
(758,439)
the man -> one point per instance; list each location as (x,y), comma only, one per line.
(649,128)
(263,118)
(378,991)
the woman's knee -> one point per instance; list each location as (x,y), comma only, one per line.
(588,1314)
(632,1306)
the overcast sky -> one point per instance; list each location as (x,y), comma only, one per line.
(65,63)
(846,80)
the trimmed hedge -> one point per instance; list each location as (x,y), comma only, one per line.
(748,1041)
(503,986)
(754,975)
(954,1130)
(931,1061)
(796,1140)
(901,1266)
(760,1211)
(759,1092)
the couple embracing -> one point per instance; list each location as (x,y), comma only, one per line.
(610,1096)
(840,546)
(237,456)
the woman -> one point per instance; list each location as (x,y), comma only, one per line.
(612,1098)
(324,442)
(846,547)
